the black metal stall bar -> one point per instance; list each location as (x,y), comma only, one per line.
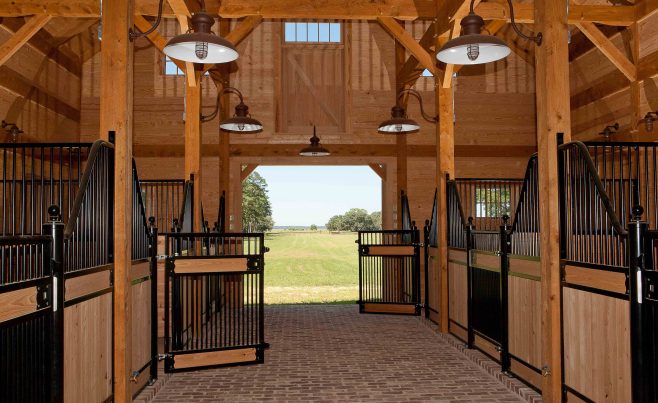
(36,176)
(163,199)
(32,332)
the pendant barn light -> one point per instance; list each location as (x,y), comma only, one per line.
(399,123)
(649,118)
(241,122)
(608,131)
(199,45)
(474,48)
(315,149)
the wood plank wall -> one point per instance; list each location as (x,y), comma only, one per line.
(371,82)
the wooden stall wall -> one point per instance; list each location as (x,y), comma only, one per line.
(600,93)
(40,84)
(88,338)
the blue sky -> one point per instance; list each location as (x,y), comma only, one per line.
(305,195)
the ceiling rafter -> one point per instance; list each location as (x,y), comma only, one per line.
(46,44)
(20,38)
(156,39)
(615,82)
(407,40)
(605,45)
(339,9)
(411,65)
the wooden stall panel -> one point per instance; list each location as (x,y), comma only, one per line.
(141,324)
(485,260)
(597,345)
(434,288)
(458,293)
(17,303)
(211,358)
(525,320)
(599,279)
(88,350)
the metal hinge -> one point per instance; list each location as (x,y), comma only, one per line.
(162,357)
(43,294)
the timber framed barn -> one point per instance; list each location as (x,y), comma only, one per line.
(517,150)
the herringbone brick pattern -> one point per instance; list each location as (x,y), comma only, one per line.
(329,353)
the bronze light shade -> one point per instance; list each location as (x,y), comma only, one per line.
(315,149)
(473,47)
(399,123)
(201,45)
(241,122)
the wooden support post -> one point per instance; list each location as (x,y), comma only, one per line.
(445,152)
(224,137)
(20,38)
(635,92)
(553,117)
(400,139)
(116,112)
(193,144)
(445,162)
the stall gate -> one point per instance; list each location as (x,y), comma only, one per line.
(213,300)
(389,272)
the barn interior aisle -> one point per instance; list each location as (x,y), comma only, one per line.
(331,353)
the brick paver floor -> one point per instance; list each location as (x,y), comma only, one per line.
(332,353)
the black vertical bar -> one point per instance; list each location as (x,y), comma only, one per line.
(426,249)
(55,261)
(505,360)
(469,282)
(641,382)
(153,249)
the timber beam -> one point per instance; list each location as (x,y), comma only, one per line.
(46,44)
(340,9)
(337,150)
(156,39)
(407,40)
(605,45)
(27,89)
(20,38)
(247,170)
(379,169)
(615,82)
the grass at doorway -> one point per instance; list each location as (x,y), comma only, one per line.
(311,267)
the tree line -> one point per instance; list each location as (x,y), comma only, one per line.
(356,219)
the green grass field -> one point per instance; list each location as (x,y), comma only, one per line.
(311,267)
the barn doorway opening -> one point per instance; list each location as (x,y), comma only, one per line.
(310,215)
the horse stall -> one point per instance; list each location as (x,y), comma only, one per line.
(57,274)
(606,240)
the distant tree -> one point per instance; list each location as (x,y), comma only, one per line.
(256,207)
(335,223)
(355,219)
(314,227)
(377,219)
